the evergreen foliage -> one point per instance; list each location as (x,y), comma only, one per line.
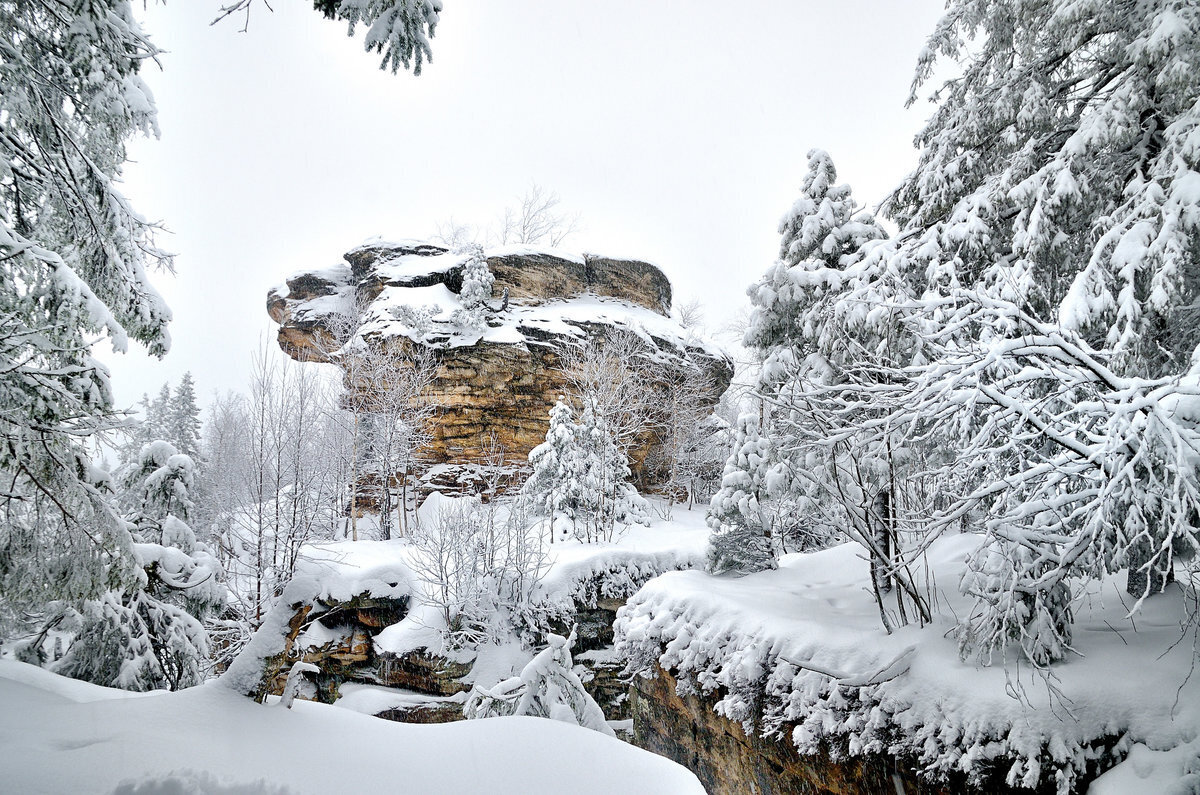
(1019,360)
(580,478)
(742,539)
(150,635)
(1053,225)
(476,290)
(398,29)
(184,423)
(73,261)
(782,480)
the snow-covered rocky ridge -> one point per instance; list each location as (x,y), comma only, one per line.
(496,381)
(60,735)
(765,650)
(360,612)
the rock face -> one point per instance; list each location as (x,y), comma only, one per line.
(727,761)
(338,638)
(494,387)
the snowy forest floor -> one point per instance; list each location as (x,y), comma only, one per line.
(1129,689)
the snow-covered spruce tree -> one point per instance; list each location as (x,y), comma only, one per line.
(73,261)
(153,424)
(151,635)
(477,281)
(183,420)
(742,539)
(400,30)
(1052,229)
(553,486)
(788,475)
(605,495)
(580,478)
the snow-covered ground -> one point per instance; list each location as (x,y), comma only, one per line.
(741,634)
(60,736)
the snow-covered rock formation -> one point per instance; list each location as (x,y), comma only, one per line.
(496,380)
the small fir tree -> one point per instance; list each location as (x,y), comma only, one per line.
(183,419)
(553,485)
(477,281)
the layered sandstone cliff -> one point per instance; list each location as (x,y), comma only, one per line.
(494,386)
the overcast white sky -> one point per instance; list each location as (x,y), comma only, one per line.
(676,129)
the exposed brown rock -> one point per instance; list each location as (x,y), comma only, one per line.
(432,711)
(348,656)
(729,762)
(351,656)
(421,671)
(630,280)
(493,393)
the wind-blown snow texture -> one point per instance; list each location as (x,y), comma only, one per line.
(60,735)
(735,637)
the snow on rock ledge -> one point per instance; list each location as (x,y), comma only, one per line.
(499,381)
(730,641)
(357,612)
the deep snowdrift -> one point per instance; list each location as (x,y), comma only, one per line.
(735,637)
(60,735)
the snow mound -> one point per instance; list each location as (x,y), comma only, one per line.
(211,740)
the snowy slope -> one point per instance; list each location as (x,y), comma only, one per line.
(60,736)
(738,636)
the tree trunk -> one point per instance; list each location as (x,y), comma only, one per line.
(354,481)
(1145,578)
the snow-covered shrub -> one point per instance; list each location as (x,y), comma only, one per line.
(479,565)
(547,687)
(416,320)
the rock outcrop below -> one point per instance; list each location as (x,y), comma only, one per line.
(417,686)
(495,385)
(730,761)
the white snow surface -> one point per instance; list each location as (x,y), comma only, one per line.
(60,737)
(735,635)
